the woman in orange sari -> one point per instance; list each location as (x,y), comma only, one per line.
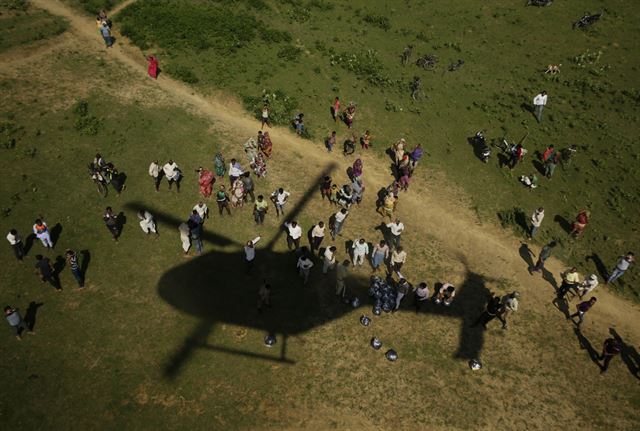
(266,146)
(206,178)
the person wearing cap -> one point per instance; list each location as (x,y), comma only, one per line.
(360,251)
(16,322)
(510,302)
(395,228)
(421,294)
(16,243)
(583,307)
(445,294)
(294,232)
(588,285)
(41,231)
(624,262)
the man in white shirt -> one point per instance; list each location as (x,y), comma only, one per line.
(16,243)
(624,262)
(304,266)
(421,294)
(539,103)
(338,221)
(395,228)
(510,302)
(202,209)
(154,172)
(250,252)
(536,221)
(147,224)
(279,199)
(317,235)
(294,232)
(41,231)
(588,285)
(360,251)
(173,174)
(235,171)
(329,259)
(185,238)
(398,258)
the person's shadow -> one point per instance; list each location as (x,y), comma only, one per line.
(628,353)
(538,166)
(348,248)
(600,266)
(527,255)
(58,265)
(563,223)
(526,107)
(55,234)
(122,221)
(520,219)
(28,243)
(30,314)
(585,344)
(84,264)
(562,305)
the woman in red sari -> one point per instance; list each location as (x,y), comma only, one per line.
(153,68)
(581,222)
(266,146)
(206,178)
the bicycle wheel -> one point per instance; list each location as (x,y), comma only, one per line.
(102,189)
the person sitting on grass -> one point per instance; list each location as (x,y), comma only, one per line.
(445,294)
(530,180)
(365,140)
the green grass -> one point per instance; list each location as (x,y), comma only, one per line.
(22,26)
(352,50)
(93,7)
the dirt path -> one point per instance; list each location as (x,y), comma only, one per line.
(486,249)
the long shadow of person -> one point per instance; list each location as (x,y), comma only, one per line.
(628,353)
(55,234)
(503,160)
(526,254)
(28,243)
(563,305)
(549,278)
(348,248)
(520,219)
(86,259)
(59,265)
(564,224)
(600,266)
(585,344)
(538,166)
(122,221)
(30,314)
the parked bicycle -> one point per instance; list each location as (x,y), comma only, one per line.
(427,62)
(99,179)
(587,20)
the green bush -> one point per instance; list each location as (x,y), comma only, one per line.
(85,123)
(365,65)
(183,73)
(275,36)
(282,108)
(289,53)
(379,21)
(95,6)
(9,131)
(13,4)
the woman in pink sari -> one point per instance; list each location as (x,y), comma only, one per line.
(205,180)
(153,68)
(266,146)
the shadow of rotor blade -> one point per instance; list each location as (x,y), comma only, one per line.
(196,339)
(173,223)
(302,202)
(248,354)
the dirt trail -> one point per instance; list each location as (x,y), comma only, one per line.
(486,249)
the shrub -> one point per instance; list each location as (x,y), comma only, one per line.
(13,4)
(379,21)
(282,108)
(275,36)
(95,6)
(183,73)
(365,65)
(289,53)
(85,123)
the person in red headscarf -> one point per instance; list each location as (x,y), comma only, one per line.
(578,226)
(153,68)
(206,178)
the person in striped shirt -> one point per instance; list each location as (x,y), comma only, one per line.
(72,261)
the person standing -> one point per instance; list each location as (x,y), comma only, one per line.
(155,173)
(250,253)
(206,179)
(304,267)
(588,285)
(494,308)
(570,280)
(260,208)
(545,254)
(279,199)
(294,233)
(16,243)
(41,231)
(610,349)
(72,261)
(235,171)
(105,31)
(317,235)
(398,258)
(147,224)
(338,222)
(360,251)
(111,221)
(379,254)
(45,271)
(16,322)
(222,199)
(265,116)
(195,232)
(583,307)
(335,109)
(264,296)
(202,209)
(249,186)
(550,165)
(195,217)
(510,302)
(185,238)
(173,174)
(539,102)
(325,187)
(624,262)
(395,228)
(536,221)
(329,260)
(153,66)
(421,294)
(401,291)
(342,270)
(331,141)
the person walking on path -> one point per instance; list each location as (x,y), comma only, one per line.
(317,235)
(156,173)
(494,308)
(388,206)
(41,231)
(329,260)
(335,109)
(45,271)
(379,254)
(153,66)
(260,209)
(360,251)
(264,296)
(222,199)
(195,232)
(147,223)
(338,222)
(536,221)
(173,174)
(583,307)
(342,270)
(610,349)
(304,266)
(331,141)
(202,209)
(539,102)
(545,254)
(624,262)
(111,221)
(570,280)
(250,253)
(249,186)
(294,232)
(395,228)
(510,302)
(16,322)
(105,31)
(421,294)
(265,117)
(279,199)
(185,238)
(72,261)
(398,258)
(16,243)
(325,187)
(402,289)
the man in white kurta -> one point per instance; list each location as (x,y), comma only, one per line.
(147,224)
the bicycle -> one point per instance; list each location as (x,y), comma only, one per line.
(99,180)
(427,62)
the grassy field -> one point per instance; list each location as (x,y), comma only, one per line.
(21,25)
(162,342)
(313,51)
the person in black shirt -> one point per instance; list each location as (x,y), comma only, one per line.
(45,272)
(494,308)
(610,349)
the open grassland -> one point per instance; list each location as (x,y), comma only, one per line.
(21,25)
